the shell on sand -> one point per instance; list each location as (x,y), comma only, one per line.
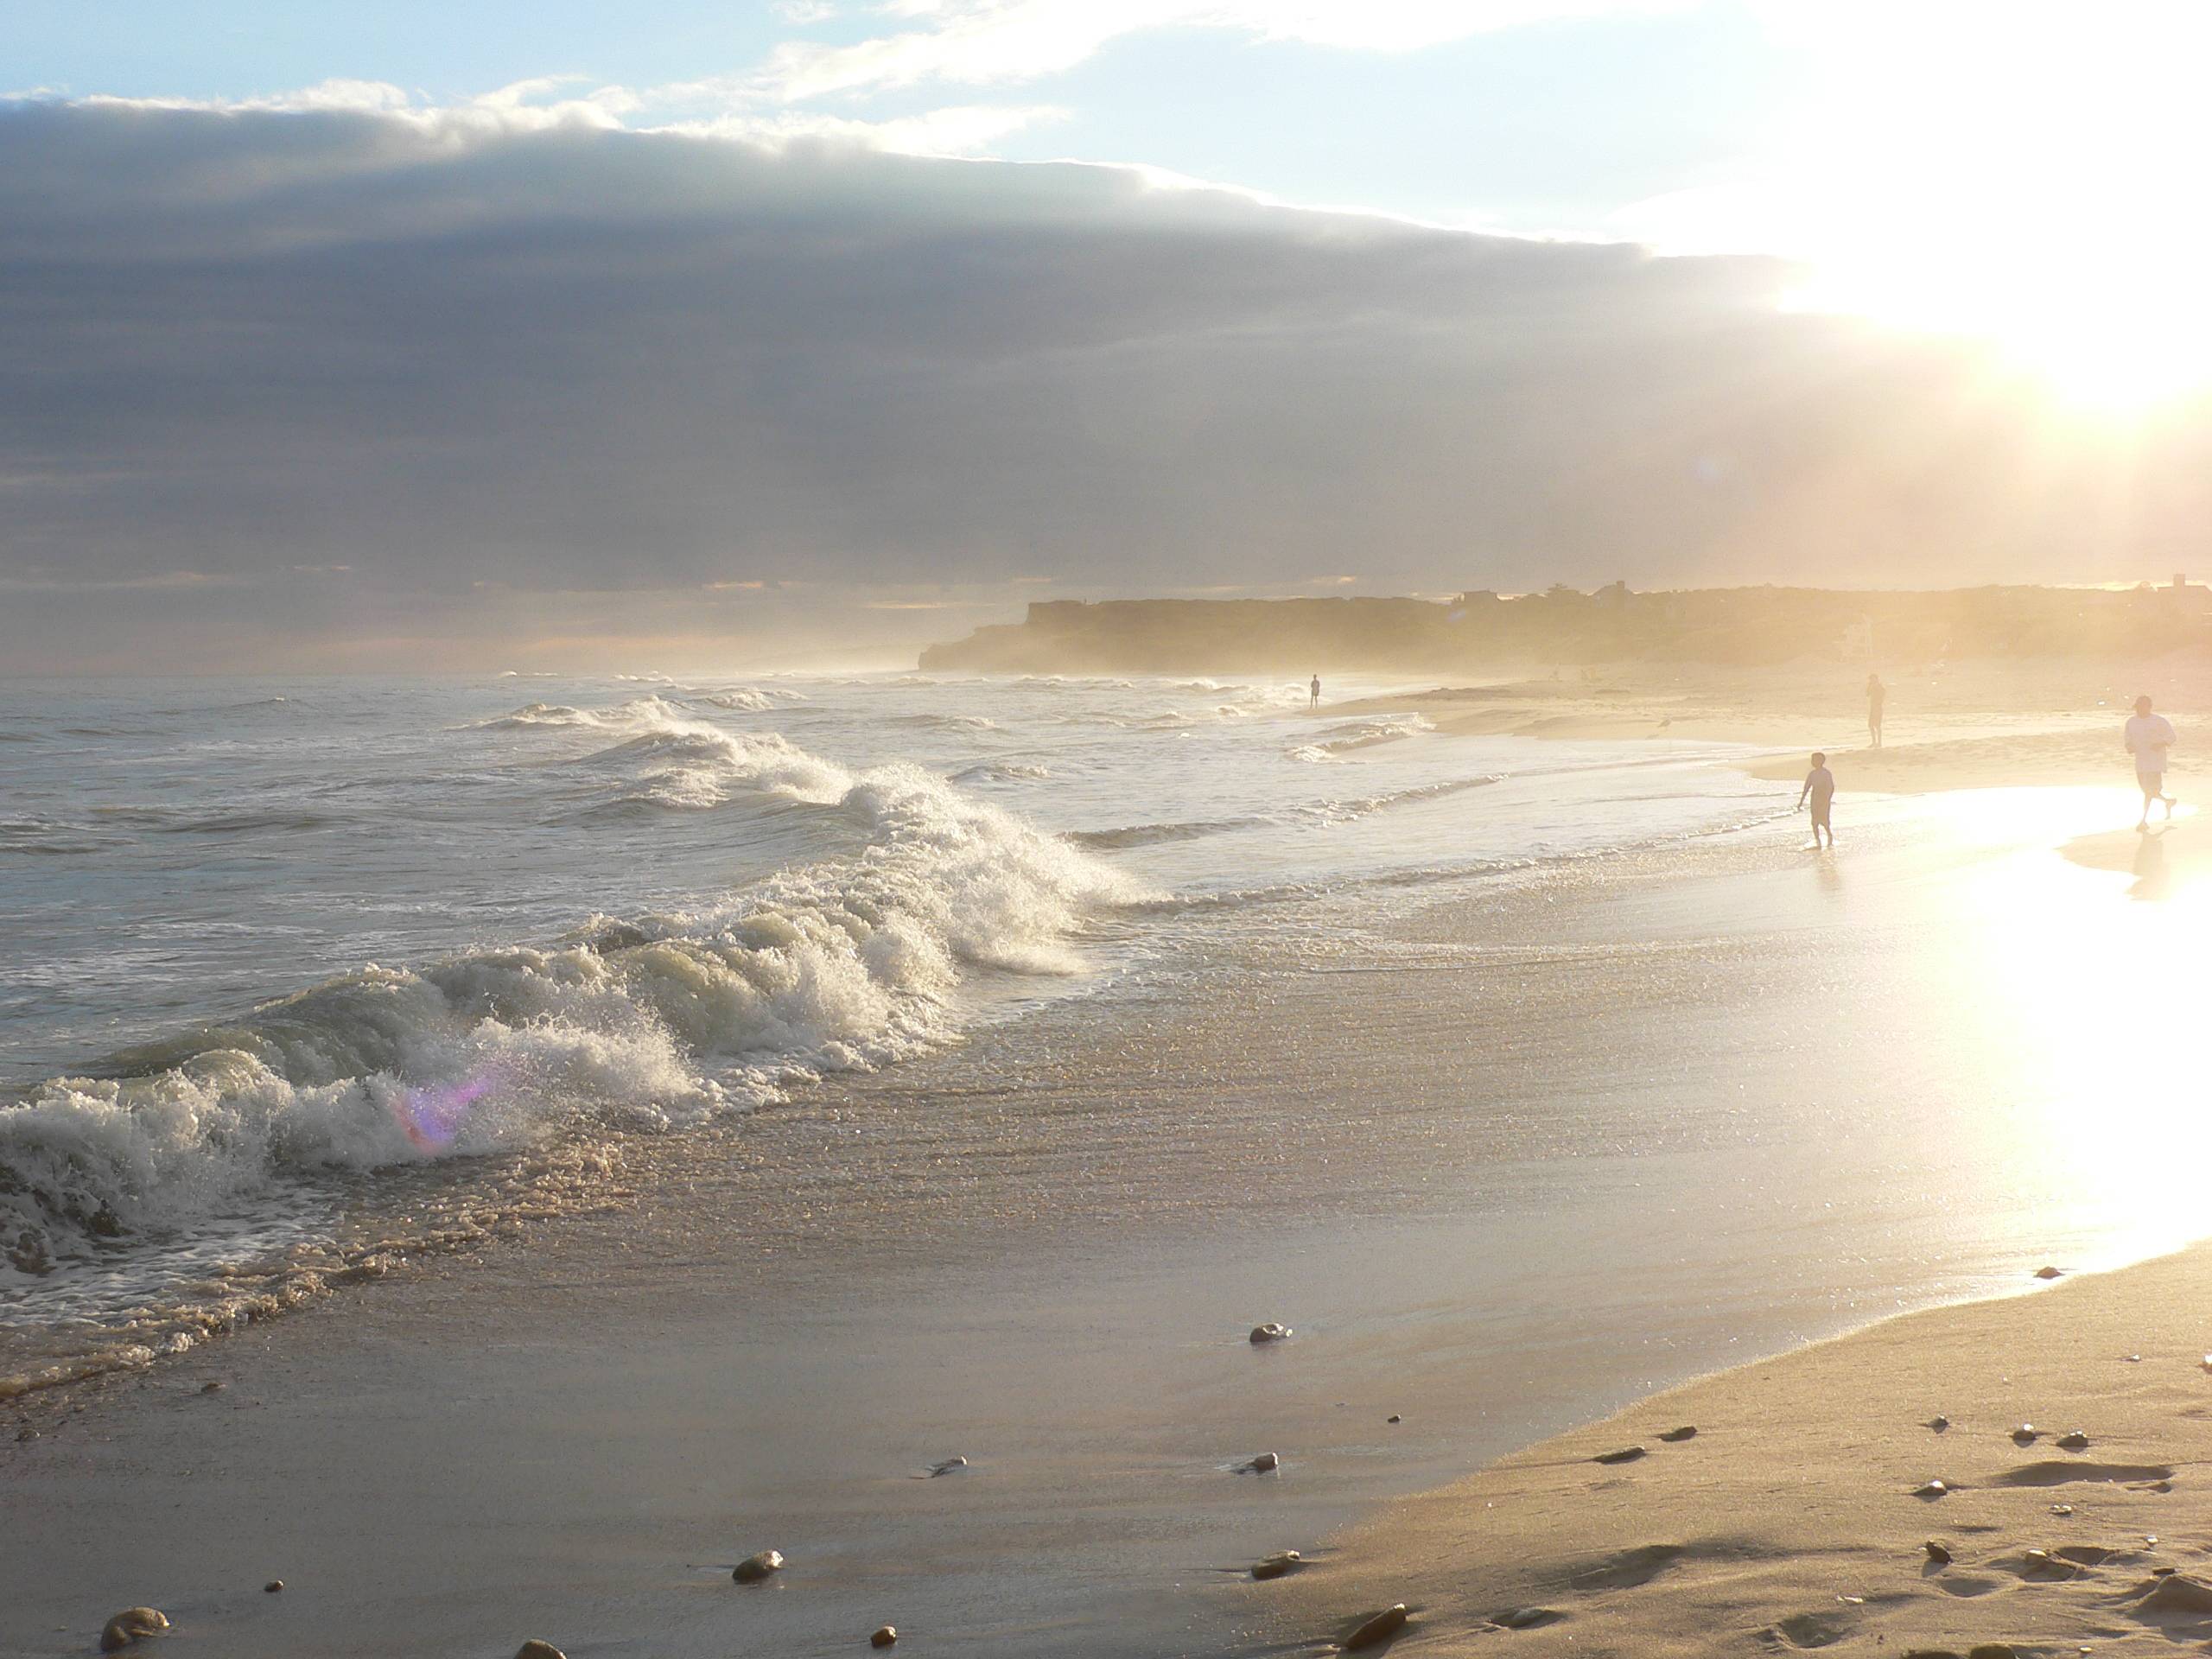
(535,1649)
(1273,1331)
(753,1568)
(1281,1563)
(1379,1629)
(885,1634)
(132,1625)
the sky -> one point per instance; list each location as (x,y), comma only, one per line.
(400,336)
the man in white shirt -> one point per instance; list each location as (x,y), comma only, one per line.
(2148,737)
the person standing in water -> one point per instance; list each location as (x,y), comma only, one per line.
(2148,736)
(1819,785)
(1877,694)
(1313,696)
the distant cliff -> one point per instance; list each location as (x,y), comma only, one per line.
(1478,629)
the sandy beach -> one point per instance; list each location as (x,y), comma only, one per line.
(2068,1429)
(1557,1144)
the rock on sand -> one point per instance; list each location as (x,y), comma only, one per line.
(1626,1455)
(1281,1563)
(535,1649)
(1377,1630)
(1273,1331)
(884,1637)
(132,1625)
(753,1568)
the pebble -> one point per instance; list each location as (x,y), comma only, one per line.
(210,1388)
(1939,1423)
(2073,1441)
(2061,1509)
(1381,1627)
(22,1435)
(1393,1418)
(1266,1463)
(884,1637)
(1626,1455)
(1675,1436)
(272,1586)
(2026,1433)
(947,1466)
(753,1568)
(132,1625)
(1278,1565)
(1931,1489)
(535,1649)
(2040,1560)
(2046,1272)
(1937,1553)
(1273,1331)
(2133,1359)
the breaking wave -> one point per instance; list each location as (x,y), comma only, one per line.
(651,1022)
(1360,734)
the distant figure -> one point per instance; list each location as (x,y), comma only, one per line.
(1820,784)
(1877,694)
(2148,736)
(1313,697)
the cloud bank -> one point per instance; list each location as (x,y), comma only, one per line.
(293,386)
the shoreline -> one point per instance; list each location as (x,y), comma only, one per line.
(1131,1254)
(2069,1425)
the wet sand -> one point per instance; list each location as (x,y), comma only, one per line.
(1562,1142)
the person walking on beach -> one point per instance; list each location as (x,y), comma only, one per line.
(1313,697)
(2148,736)
(1877,694)
(1819,785)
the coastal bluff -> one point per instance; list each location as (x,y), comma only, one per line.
(1742,625)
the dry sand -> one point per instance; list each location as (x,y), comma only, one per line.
(1791,1521)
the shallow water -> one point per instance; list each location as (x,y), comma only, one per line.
(300,974)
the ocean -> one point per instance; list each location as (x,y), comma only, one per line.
(297,977)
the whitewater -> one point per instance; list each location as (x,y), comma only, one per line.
(302,978)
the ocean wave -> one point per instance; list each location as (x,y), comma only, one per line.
(1146,834)
(1002,772)
(1359,735)
(748,699)
(649,1022)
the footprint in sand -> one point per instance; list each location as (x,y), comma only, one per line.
(2056,1471)
(1822,1629)
(1629,1569)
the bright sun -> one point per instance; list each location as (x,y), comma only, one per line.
(2025,172)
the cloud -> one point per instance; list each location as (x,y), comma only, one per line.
(979,42)
(529,379)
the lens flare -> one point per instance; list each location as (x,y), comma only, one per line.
(433,1116)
